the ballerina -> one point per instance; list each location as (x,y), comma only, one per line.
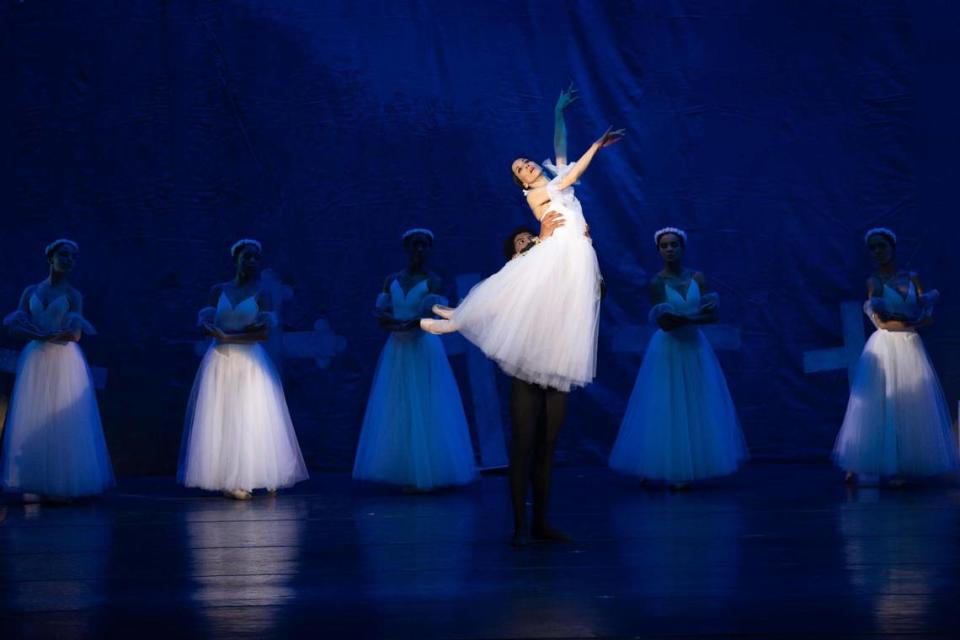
(538,317)
(238,435)
(681,424)
(897,422)
(53,446)
(414,431)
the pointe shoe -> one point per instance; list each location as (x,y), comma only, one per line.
(437,327)
(442,311)
(238,494)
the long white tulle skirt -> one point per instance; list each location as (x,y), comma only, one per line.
(414,431)
(681,424)
(897,421)
(53,441)
(238,433)
(538,316)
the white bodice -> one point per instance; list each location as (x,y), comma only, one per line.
(898,304)
(564,201)
(236,318)
(684,305)
(408,305)
(53,316)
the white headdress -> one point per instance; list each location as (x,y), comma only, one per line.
(50,248)
(418,230)
(880,231)
(243,243)
(666,230)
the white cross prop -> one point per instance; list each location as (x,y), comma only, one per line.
(483,390)
(846,356)
(320,344)
(9,358)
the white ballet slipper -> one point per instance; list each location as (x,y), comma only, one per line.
(443,311)
(437,327)
(238,494)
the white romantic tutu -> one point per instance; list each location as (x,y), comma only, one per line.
(681,424)
(414,430)
(897,421)
(238,433)
(53,442)
(538,316)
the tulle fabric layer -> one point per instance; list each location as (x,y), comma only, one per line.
(53,442)
(538,316)
(238,433)
(681,424)
(414,431)
(897,421)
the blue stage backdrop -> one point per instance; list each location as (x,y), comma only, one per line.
(157,133)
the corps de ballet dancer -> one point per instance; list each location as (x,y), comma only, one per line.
(238,435)
(681,424)
(897,423)
(538,317)
(414,432)
(53,444)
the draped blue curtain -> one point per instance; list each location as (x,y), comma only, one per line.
(156,133)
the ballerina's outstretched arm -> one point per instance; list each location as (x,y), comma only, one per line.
(567,97)
(609,137)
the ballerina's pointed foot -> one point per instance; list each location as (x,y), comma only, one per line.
(437,327)
(444,312)
(238,494)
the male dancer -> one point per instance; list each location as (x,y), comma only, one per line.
(536,414)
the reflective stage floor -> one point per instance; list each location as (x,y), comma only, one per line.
(779,550)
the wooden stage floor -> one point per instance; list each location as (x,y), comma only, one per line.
(779,550)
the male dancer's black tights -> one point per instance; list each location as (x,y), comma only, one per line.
(537,415)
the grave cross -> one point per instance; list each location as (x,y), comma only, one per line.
(847,356)
(320,344)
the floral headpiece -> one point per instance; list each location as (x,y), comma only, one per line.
(239,244)
(418,230)
(50,248)
(666,230)
(880,231)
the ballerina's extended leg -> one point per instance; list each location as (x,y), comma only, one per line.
(437,327)
(443,311)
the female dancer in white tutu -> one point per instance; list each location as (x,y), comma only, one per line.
(897,422)
(538,317)
(414,432)
(680,423)
(238,434)
(53,446)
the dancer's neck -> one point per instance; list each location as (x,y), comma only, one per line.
(674,270)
